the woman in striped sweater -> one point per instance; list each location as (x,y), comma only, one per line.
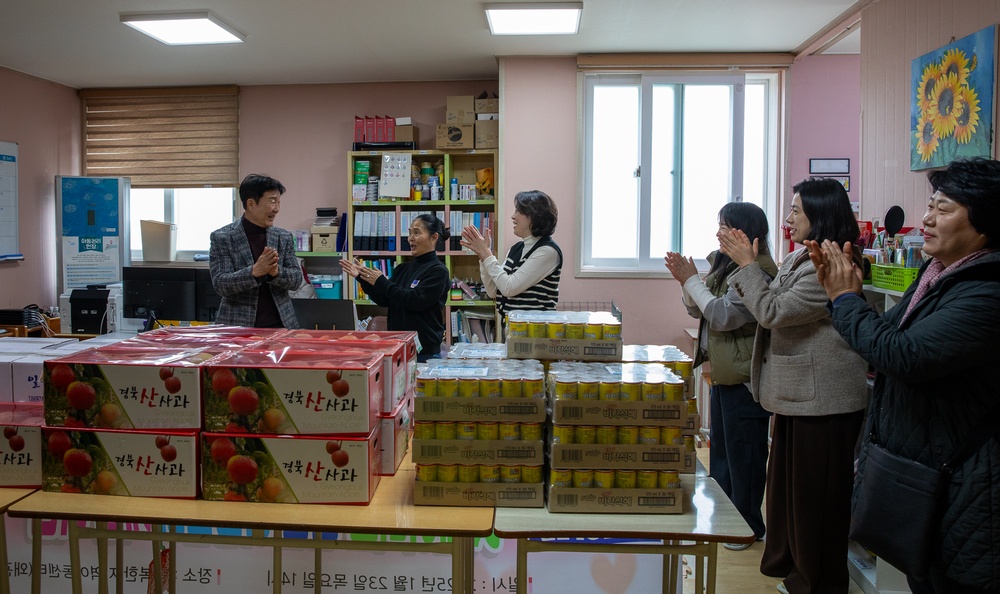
(529,278)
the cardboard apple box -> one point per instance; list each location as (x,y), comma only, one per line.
(217,337)
(120,462)
(21,447)
(290,468)
(395,375)
(407,337)
(125,386)
(303,390)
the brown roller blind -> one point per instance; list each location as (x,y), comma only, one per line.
(163,138)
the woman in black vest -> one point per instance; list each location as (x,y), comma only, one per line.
(529,278)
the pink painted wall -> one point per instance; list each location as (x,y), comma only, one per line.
(539,146)
(43,118)
(300,134)
(824,116)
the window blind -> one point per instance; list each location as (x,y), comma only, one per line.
(163,138)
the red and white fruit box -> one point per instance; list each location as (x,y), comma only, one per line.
(395,367)
(407,337)
(114,462)
(125,387)
(21,448)
(300,390)
(218,337)
(396,429)
(290,468)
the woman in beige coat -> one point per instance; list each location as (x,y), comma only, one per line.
(816,386)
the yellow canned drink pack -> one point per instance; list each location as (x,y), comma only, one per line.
(631,391)
(607,434)
(668,479)
(424,430)
(533,387)
(447,387)
(671,436)
(510,387)
(447,473)
(517,329)
(468,473)
(628,435)
(588,390)
(465,430)
(673,392)
(425,386)
(562,434)
(445,430)
(611,331)
(555,330)
(593,331)
(531,431)
(649,435)
(509,431)
(652,390)
(468,388)
(427,472)
(609,390)
(583,478)
(646,479)
(489,387)
(561,478)
(537,330)
(585,434)
(624,479)
(489,473)
(565,389)
(510,473)
(531,474)
(604,478)
(487,430)
(574,330)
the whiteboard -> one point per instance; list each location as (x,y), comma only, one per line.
(9,244)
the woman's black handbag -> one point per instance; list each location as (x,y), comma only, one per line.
(898,502)
(897,510)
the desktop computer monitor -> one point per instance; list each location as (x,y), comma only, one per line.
(326,314)
(153,294)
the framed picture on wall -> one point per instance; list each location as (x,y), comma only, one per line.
(843,179)
(828,167)
(951,101)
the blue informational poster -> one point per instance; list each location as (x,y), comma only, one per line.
(93,223)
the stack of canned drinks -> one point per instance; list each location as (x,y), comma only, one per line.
(572,325)
(501,441)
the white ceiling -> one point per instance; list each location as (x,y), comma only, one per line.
(81,43)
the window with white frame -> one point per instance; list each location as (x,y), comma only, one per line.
(663,153)
(196,212)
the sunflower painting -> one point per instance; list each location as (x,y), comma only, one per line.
(951,108)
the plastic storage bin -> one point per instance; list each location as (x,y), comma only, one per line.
(327,286)
(159,241)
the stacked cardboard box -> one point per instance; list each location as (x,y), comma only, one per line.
(616,440)
(478,433)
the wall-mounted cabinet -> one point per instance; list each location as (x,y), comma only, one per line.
(378,229)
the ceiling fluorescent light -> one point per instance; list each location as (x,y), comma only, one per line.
(547,18)
(183,28)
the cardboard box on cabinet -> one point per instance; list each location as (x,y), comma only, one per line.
(460,109)
(120,462)
(408,133)
(456,136)
(491,105)
(290,468)
(324,242)
(487,134)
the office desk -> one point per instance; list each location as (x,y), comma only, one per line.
(7,498)
(708,519)
(391,511)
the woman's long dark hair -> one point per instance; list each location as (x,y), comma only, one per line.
(826,205)
(748,218)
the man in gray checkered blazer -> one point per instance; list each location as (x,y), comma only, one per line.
(253,262)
